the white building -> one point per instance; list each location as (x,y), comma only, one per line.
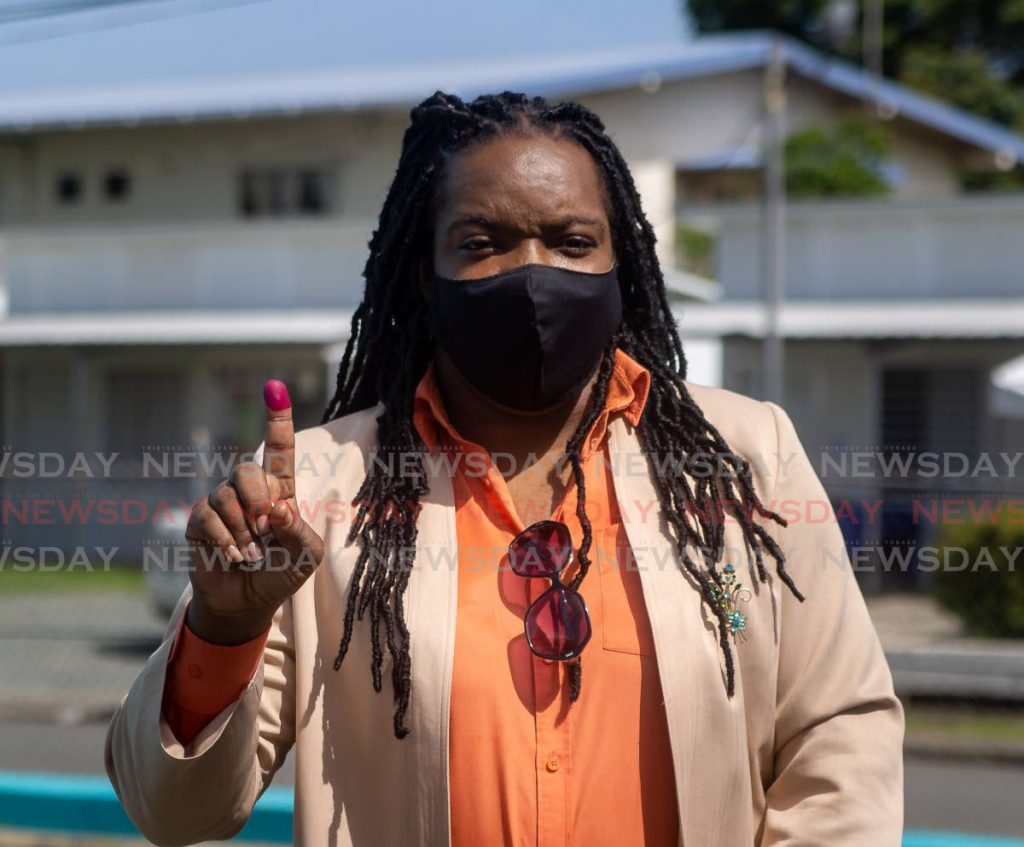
(166,246)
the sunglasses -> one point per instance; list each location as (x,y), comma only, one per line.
(558,622)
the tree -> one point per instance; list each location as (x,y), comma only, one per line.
(847,162)
(969,53)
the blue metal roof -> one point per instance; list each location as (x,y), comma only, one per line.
(337,86)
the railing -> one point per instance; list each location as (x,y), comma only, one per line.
(239,265)
(969,247)
(957,248)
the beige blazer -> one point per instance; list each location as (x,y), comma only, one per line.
(809,751)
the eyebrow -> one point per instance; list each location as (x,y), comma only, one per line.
(485,221)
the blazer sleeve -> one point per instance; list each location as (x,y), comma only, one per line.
(839,726)
(183,794)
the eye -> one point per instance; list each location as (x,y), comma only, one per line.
(579,243)
(477,243)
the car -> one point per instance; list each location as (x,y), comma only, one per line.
(167,576)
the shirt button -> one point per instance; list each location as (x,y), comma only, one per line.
(552,765)
(195,671)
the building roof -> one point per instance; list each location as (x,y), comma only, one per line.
(251,89)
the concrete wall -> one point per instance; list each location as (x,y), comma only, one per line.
(965,247)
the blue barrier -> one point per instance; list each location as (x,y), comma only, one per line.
(69,803)
(938,838)
(58,802)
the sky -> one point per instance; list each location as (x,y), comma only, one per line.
(188,39)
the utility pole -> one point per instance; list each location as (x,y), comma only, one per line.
(871,39)
(773,221)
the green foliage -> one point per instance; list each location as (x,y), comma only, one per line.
(988,593)
(795,17)
(845,162)
(966,52)
(963,77)
(696,250)
(119,577)
(994,180)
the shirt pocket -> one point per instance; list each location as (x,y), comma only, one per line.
(625,625)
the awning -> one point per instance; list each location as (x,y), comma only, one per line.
(327,326)
(967,318)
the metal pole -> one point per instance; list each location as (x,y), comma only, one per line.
(872,29)
(773,221)
(872,36)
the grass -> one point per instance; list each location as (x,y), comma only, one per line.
(117,578)
(968,723)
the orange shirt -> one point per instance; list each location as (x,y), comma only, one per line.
(526,767)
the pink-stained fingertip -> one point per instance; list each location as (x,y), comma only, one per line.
(275,395)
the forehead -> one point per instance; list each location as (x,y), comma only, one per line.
(523,176)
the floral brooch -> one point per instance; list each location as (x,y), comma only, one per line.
(727,594)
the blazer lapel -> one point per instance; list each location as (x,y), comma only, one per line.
(430,615)
(706,729)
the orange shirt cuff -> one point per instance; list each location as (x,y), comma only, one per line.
(204,678)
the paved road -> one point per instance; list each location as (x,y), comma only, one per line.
(940,794)
(63,655)
(44,746)
(69,653)
(981,798)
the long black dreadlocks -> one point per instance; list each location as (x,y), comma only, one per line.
(390,348)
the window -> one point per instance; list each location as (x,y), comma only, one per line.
(117,185)
(68,188)
(285,192)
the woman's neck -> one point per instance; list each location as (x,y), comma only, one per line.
(522,437)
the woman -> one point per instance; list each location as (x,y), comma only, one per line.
(554,546)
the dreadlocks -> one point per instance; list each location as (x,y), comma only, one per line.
(390,347)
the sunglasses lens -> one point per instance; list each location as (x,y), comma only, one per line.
(557,625)
(541,549)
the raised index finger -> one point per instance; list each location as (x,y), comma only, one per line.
(279,437)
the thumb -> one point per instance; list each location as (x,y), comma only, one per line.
(303,547)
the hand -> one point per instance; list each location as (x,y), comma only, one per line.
(250,548)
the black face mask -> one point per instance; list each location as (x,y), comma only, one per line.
(529,337)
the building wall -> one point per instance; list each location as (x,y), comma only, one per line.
(174,404)
(683,120)
(829,388)
(188,172)
(688,120)
(928,162)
